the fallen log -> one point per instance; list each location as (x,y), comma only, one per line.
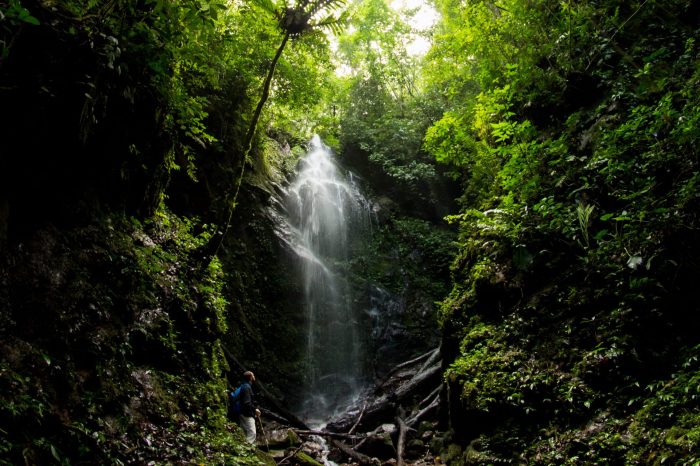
(417,382)
(434,358)
(357,456)
(368,436)
(323,433)
(285,460)
(359,418)
(413,420)
(379,411)
(412,362)
(407,371)
(305,459)
(430,397)
(384,407)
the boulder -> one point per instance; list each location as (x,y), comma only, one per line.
(415,449)
(378,445)
(281,438)
(305,459)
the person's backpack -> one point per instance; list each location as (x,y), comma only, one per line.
(234,402)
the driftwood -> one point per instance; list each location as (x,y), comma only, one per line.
(383,407)
(376,413)
(418,382)
(412,362)
(434,358)
(408,370)
(401,441)
(421,414)
(430,397)
(368,436)
(357,456)
(359,418)
(323,433)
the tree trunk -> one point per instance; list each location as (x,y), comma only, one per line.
(401,441)
(423,413)
(359,457)
(247,146)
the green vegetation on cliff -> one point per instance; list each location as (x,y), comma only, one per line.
(111,348)
(121,134)
(573,318)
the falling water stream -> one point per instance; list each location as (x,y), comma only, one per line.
(324,210)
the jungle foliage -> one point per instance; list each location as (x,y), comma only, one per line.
(141,94)
(111,350)
(384,113)
(566,129)
(572,322)
(121,131)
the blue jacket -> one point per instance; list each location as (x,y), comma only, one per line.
(247,399)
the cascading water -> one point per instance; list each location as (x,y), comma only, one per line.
(324,212)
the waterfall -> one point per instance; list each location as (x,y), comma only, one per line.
(325,211)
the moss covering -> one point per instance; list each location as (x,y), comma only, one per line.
(110,348)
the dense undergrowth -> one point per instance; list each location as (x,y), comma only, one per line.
(120,140)
(573,318)
(111,349)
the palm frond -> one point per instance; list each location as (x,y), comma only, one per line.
(328,5)
(334,24)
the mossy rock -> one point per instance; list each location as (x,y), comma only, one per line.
(452,455)
(266,458)
(303,458)
(282,438)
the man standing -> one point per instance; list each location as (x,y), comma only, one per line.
(248,409)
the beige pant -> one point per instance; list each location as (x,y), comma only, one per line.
(248,424)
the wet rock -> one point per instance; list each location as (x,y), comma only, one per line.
(336,456)
(452,454)
(387,428)
(415,449)
(379,445)
(314,449)
(277,455)
(305,459)
(440,441)
(281,438)
(426,426)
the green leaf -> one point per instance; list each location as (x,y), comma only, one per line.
(601,234)
(30,19)
(522,259)
(55,454)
